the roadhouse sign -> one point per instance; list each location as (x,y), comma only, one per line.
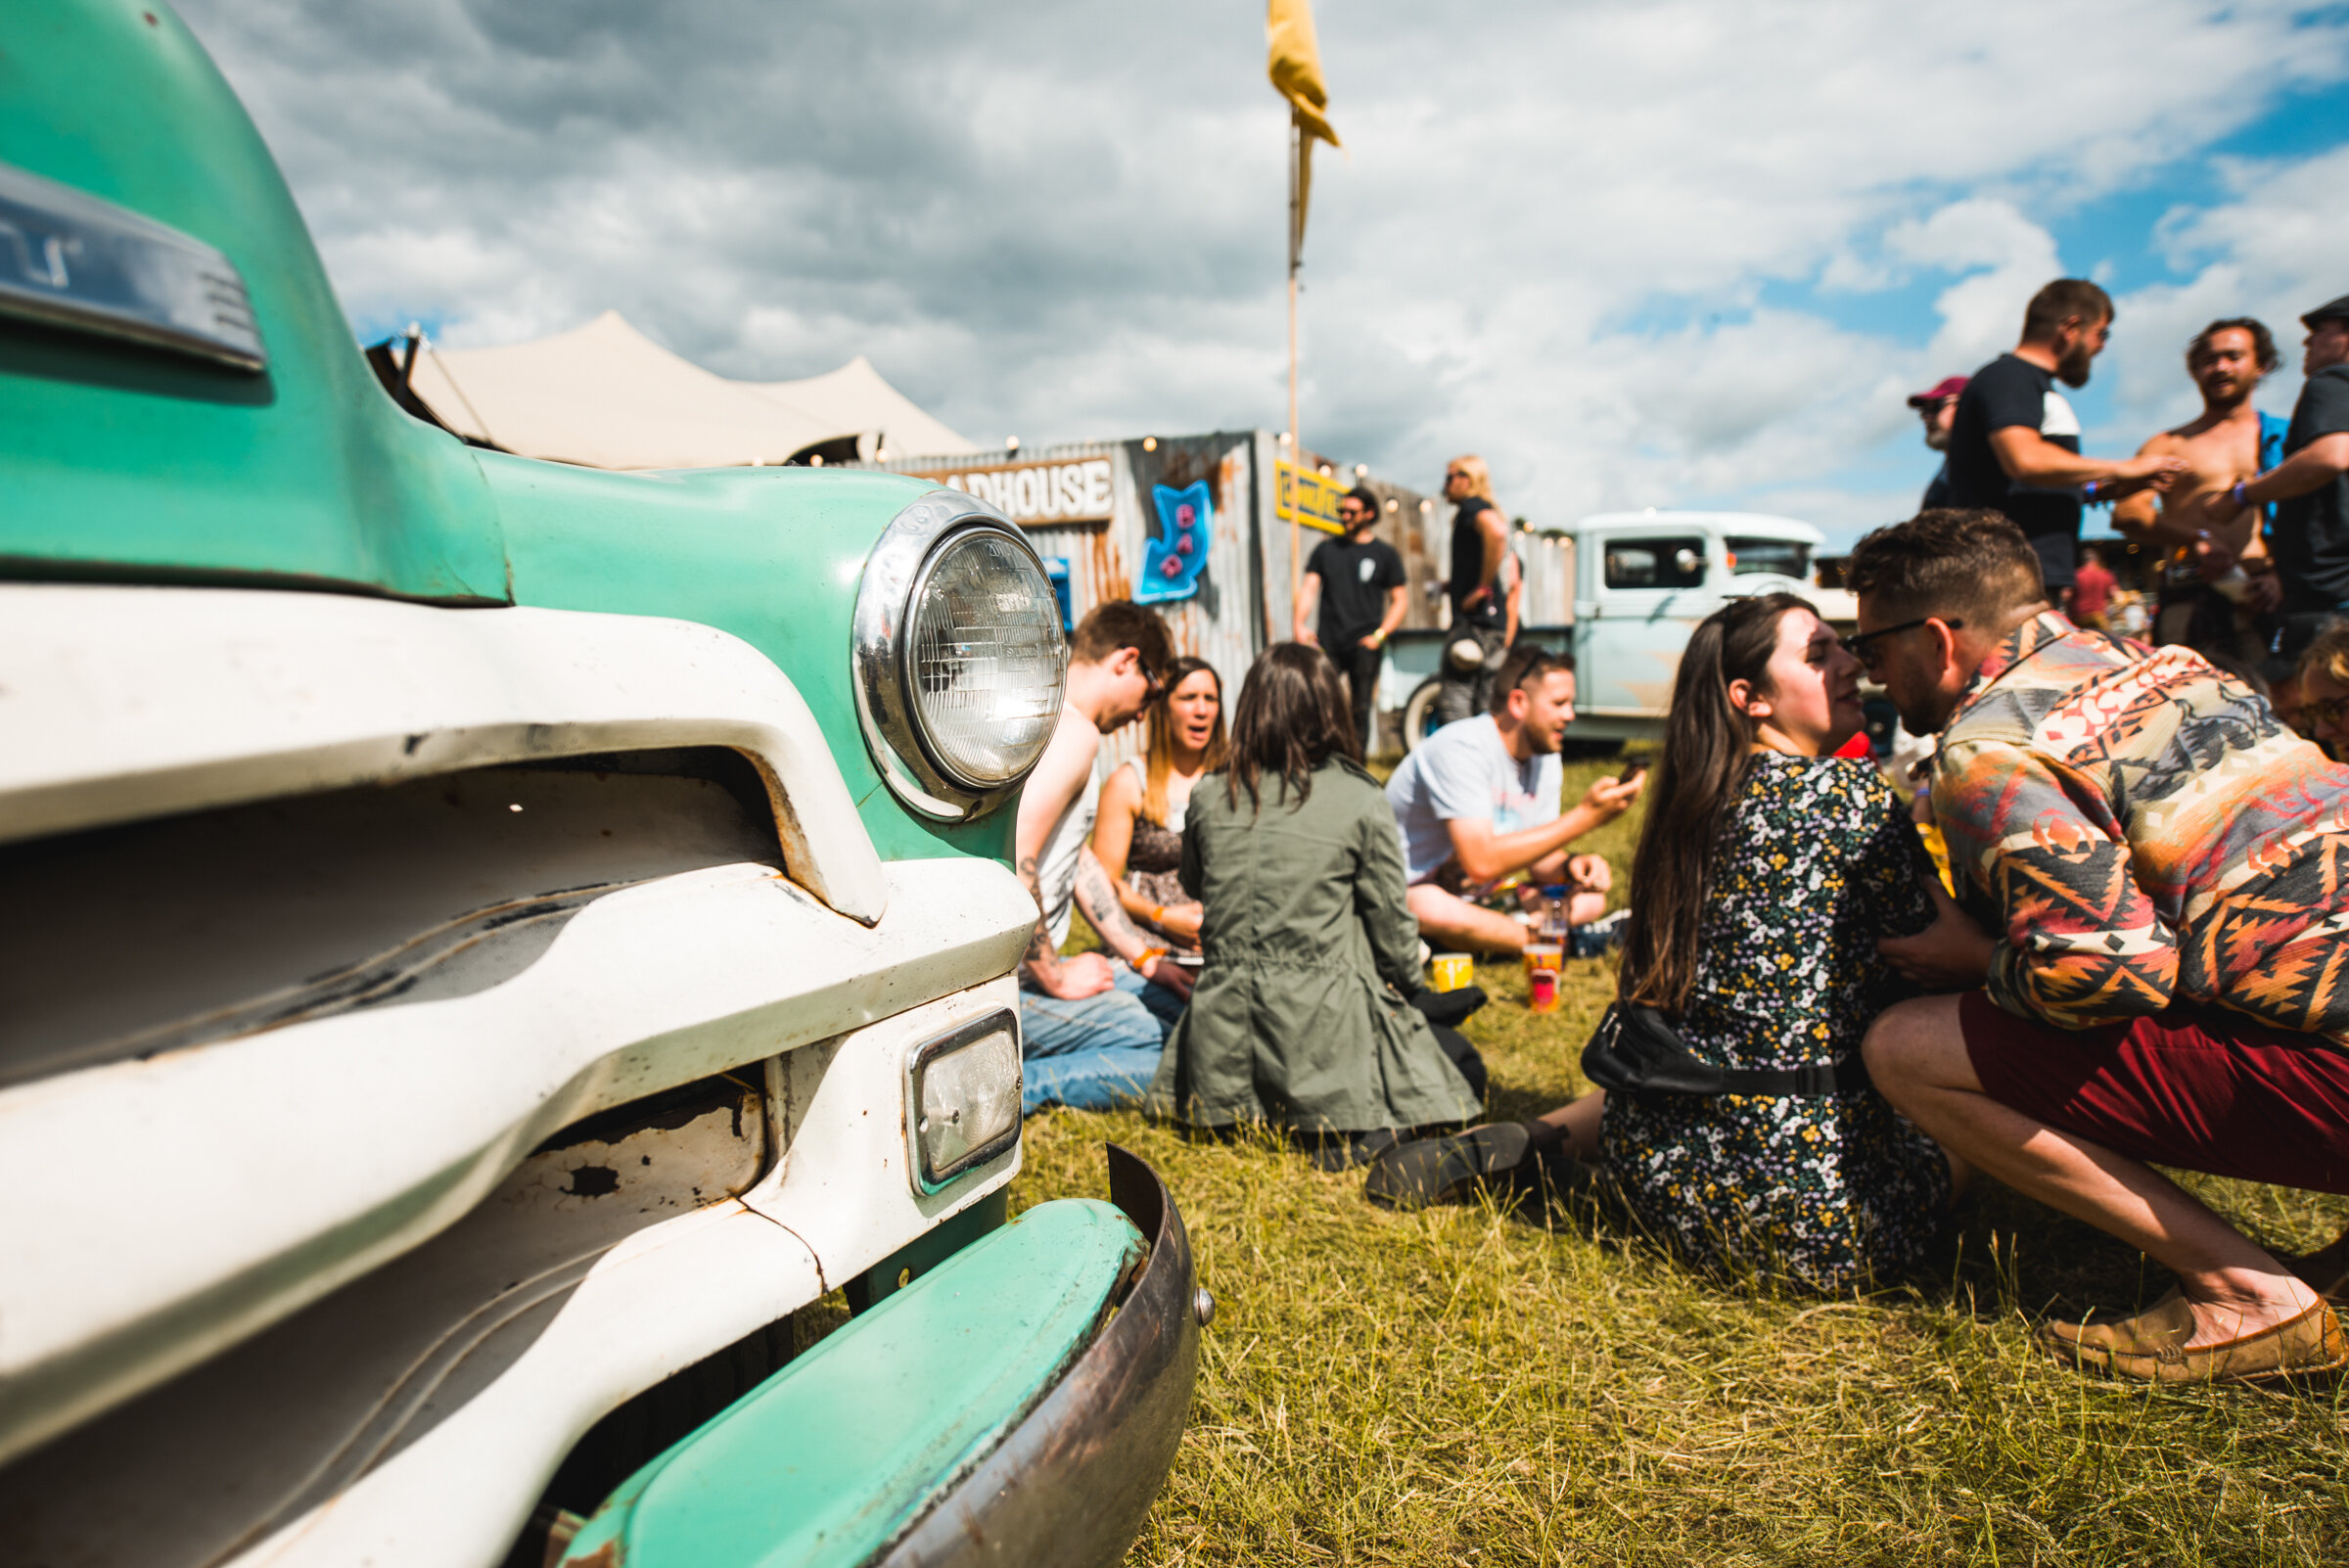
(1069,490)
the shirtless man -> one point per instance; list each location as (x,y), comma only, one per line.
(2205,604)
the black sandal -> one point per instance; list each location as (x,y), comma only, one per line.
(1448,1170)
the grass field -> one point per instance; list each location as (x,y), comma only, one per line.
(1468,1386)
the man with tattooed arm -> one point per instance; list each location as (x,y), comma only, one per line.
(1091,1029)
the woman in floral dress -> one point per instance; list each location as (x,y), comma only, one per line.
(1767,870)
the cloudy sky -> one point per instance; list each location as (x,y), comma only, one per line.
(1635,252)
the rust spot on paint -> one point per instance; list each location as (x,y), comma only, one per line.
(593,1182)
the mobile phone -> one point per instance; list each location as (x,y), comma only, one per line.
(1632,770)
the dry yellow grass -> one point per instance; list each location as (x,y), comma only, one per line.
(1477,1386)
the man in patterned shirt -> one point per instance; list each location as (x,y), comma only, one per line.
(2148,963)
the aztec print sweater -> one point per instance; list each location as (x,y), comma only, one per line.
(2143,830)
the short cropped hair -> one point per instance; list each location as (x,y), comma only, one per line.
(2065,297)
(1960,565)
(1362,494)
(1526,666)
(1121,624)
(2263,341)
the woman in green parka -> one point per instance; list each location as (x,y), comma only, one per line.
(1301,1016)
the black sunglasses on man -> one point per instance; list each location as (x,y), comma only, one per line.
(1864,648)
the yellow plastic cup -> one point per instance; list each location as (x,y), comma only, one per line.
(1542,955)
(1450,971)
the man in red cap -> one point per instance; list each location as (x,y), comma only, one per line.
(1937,406)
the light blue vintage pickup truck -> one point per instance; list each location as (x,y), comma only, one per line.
(1642,582)
(489,947)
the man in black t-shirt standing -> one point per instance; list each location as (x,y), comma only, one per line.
(2310,537)
(1484,604)
(2015,444)
(1360,588)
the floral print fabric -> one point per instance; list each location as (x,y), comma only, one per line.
(1815,863)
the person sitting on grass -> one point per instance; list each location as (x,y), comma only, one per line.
(1091,1033)
(1302,1016)
(1138,836)
(1479,800)
(1767,870)
(2146,966)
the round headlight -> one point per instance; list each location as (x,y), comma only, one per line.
(959,657)
(985,658)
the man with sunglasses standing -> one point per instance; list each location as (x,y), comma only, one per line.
(1358,587)
(1091,1031)
(2143,966)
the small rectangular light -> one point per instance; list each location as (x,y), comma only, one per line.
(962,1098)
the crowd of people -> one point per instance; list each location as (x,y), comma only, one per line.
(2243,507)
(1817,1042)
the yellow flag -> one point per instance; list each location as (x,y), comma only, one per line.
(1296,65)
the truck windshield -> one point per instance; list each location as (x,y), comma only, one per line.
(1785,558)
(1656,562)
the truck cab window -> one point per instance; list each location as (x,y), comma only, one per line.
(1656,562)
(1785,558)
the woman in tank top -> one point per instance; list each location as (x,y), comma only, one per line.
(1137,836)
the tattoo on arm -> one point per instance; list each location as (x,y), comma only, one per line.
(1099,900)
(1043,959)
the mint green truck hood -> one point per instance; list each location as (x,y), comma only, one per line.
(126,463)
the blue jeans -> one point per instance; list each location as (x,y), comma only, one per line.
(1096,1054)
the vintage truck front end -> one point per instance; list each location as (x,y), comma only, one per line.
(491,947)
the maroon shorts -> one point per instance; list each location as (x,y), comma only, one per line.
(2198,1087)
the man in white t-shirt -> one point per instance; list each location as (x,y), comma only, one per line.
(1091,1033)
(1479,800)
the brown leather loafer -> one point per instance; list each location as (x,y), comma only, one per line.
(2149,1347)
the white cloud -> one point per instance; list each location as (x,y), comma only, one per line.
(1576,238)
(2277,247)
(1981,312)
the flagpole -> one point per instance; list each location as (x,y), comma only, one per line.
(1296,439)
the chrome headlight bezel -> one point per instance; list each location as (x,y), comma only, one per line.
(893,573)
(929,1179)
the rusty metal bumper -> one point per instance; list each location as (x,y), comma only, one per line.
(1072,1482)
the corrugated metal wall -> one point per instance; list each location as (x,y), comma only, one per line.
(1549,561)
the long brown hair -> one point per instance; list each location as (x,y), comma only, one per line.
(1292,717)
(1158,757)
(1708,745)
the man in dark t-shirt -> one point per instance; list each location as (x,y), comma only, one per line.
(2015,444)
(2310,537)
(1359,586)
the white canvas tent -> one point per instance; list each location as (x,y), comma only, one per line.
(608,397)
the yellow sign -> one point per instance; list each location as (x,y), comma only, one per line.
(1300,495)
